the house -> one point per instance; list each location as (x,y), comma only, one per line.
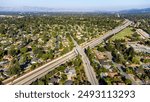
(112,74)
(99,55)
(146,66)
(147,81)
(69,82)
(54,81)
(34,60)
(69,71)
(8,57)
(120,83)
(105,63)
(103,75)
(2,63)
(139,70)
(107,66)
(29,48)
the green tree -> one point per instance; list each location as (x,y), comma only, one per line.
(136,60)
(1,82)
(33,67)
(23,50)
(62,68)
(128,82)
(45,56)
(12,51)
(1,54)
(15,68)
(101,49)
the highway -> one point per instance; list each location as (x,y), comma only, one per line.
(89,71)
(28,78)
(43,70)
(140,48)
(99,40)
(143,33)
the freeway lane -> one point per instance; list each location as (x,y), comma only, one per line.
(41,71)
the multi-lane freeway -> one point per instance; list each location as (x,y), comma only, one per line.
(143,34)
(43,70)
(100,39)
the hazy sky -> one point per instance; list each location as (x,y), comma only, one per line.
(79,4)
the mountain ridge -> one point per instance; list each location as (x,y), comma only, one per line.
(46,9)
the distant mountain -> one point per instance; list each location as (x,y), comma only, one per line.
(40,9)
(44,9)
(25,9)
(135,11)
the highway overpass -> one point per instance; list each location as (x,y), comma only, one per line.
(28,78)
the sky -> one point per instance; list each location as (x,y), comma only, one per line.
(79,4)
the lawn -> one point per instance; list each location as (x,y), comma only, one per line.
(124,34)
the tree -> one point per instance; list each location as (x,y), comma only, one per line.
(63,78)
(23,59)
(108,80)
(1,54)
(61,68)
(109,46)
(115,56)
(23,50)
(101,49)
(77,61)
(65,50)
(129,70)
(128,82)
(12,51)
(40,52)
(14,68)
(45,38)
(103,70)
(1,82)
(35,49)
(50,54)
(45,56)
(33,67)
(129,53)
(136,60)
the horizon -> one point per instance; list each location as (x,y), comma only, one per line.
(107,5)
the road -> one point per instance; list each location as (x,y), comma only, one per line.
(89,71)
(143,34)
(125,74)
(140,48)
(139,82)
(43,70)
(99,40)
(118,66)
